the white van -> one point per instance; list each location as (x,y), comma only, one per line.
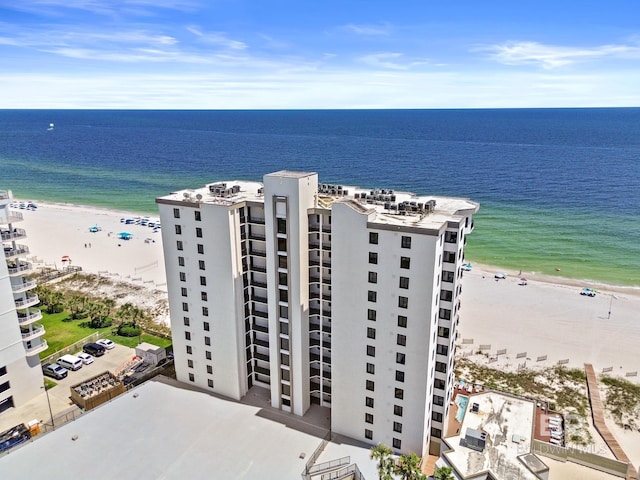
(70,362)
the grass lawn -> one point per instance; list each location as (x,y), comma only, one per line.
(135,341)
(62,332)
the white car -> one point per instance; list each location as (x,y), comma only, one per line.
(85,357)
(106,343)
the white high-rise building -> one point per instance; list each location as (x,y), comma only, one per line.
(324,294)
(20,337)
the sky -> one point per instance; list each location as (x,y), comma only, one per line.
(284,54)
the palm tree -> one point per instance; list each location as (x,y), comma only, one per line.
(443,473)
(386,465)
(408,467)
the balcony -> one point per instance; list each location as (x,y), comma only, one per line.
(15,217)
(257,236)
(256,283)
(261,356)
(257,253)
(260,328)
(27,302)
(257,221)
(316,372)
(315,327)
(259,299)
(260,342)
(18,251)
(317,311)
(23,287)
(29,317)
(257,268)
(15,234)
(36,349)
(314,227)
(37,330)
(314,342)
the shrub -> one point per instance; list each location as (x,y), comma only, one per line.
(129,330)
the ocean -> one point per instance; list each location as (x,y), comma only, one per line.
(559,188)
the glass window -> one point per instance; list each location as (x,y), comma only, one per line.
(372,296)
(176,213)
(399,376)
(445,314)
(371,332)
(370,385)
(373,257)
(183,277)
(371,351)
(405,262)
(185,307)
(402,339)
(404,282)
(197,216)
(207,340)
(397,410)
(209,369)
(436,432)
(178,230)
(373,277)
(209,381)
(368,434)
(443,332)
(206,326)
(205,311)
(200,248)
(406,242)
(446,295)
(403,302)
(400,358)
(373,238)
(190,363)
(203,296)
(442,349)
(183,291)
(201,264)
(397,427)
(203,281)
(187,335)
(368,418)
(437,416)
(371,368)
(186,321)
(198,232)
(438,400)
(192,377)
(181,261)
(179,244)
(368,401)
(402,321)
(397,444)
(399,393)
(371,315)
(207,355)
(189,349)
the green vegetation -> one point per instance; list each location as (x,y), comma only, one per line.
(623,401)
(443,473)
(61,331)
(49,384)
(407,466)
(135,341)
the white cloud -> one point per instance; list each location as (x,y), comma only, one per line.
(217,38)
(553,56)
(390,60)
(384,29)
(57,8)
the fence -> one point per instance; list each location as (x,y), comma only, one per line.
(314,456)
(581,457)
(73,348)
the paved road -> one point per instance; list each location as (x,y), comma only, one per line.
(60,395)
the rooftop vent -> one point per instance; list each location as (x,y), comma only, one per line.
(474,439)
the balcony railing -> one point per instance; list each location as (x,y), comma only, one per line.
(21,287)
(22,267)
(259,299)
(36,349)
(257,253)
(258,221)
(260,328)
(15,217)
(36,331)
(20,250)
(256,236)
(29,317)
(27,302)
(14,234)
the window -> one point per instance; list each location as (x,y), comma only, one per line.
(399,393)
(439,384)
(436,432)
(368,401)
(3,371)
(404,282)
(445,314)
(283,311)
(368,418)
(200,248)
(206,326)
(176,213)
(370,385)
(397,443)
(187,335)
(405,262)
(207,341)
(283,295)
(284,359)
(282,225)
(371,333)
(196,215)
(402,340)
(373,257)
(397,427)
(181,261)
(178,230)
(368,434)
(205,311)
(406,242)
(207,355)
(437,416)
(371,368)
(183,276)
(399,376)
(403,302)
(372,296)
(203,281)
(285,374)
(284,343)
(373,277)
(438,400)
(282,261)
(209,381)
(443,332)
(282,245)
(189,349)
(447,276)
(451,237)
(201,264)
(284,328)
(190,363)
(371,351)
(186,321)
(179,244)
(192,377)
(400,358)
(282,278)
(397,410)
(185,307)
(183,291)
(446,295)
(371,315)
(198,232)
(442,349)
(402,321)
(373,238)
(441,367)
(203,296)
(449,257)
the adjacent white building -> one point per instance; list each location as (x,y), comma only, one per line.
(20,336)
(324,294)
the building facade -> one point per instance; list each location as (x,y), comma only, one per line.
(324,294)
(20,335)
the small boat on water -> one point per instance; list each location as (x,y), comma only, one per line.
(51,125)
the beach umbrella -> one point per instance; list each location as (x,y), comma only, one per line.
(125,235)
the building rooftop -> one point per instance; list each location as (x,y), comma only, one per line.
(506,423)
(164,429)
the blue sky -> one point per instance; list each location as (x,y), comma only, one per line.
(252,54)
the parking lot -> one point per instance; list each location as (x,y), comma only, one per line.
(59,396)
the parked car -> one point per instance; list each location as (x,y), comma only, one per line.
(85,357)
(94,349)
(106,343)
(14,436)
(70,362)
(54,370)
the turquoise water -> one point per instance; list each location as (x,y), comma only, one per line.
(559,188)
(462,402)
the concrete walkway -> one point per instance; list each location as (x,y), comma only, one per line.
(597,410)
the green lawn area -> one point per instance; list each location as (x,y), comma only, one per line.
(62,332)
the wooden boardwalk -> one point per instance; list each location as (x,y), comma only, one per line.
(597,410)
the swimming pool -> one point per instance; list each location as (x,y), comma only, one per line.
(461,401)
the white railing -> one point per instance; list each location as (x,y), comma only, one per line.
(41,347)
(13,234)
(29,317)
(37,331)
(21,267)
(19,250)
(27,302)
(15,217)
(24,286)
